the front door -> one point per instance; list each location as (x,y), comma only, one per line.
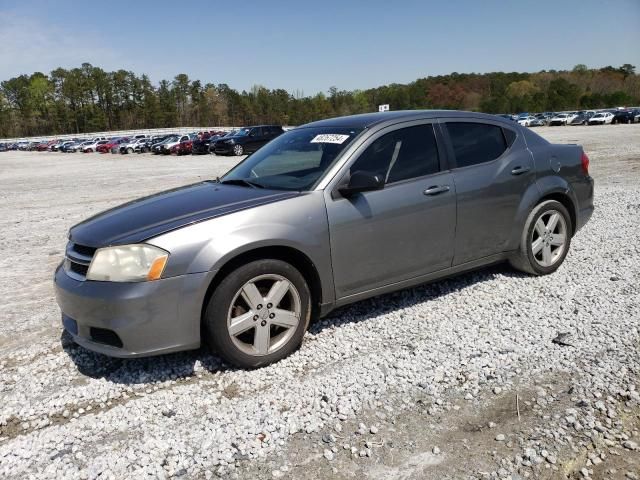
(403,231)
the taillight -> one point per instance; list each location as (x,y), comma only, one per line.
(585,163)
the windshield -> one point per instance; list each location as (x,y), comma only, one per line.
(295,160)
(243,132)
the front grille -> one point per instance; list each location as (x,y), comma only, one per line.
(79,268)
(78,259)
(83,250)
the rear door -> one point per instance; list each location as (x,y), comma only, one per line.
(492,169)
(404,230)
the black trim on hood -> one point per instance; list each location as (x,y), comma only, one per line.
(147,217)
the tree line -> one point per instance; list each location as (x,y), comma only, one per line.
(89,99)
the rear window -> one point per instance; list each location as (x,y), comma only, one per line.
(475,143)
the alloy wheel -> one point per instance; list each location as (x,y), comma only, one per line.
(238,150)
(264,315)
(549,238)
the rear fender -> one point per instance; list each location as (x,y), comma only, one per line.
(543,187)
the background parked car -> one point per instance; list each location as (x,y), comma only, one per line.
(623,116)
(537,122)
(247,139)
(526,121)
(559,119)
(601,118)
(581,119)
(106,147)
(93,146)
(130,146)
(158,148)
(201,145)
(173,141)
(182,148)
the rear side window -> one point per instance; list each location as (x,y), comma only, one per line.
(509,136)
(475,143)
(401,155)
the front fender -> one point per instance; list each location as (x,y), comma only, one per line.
(299,223)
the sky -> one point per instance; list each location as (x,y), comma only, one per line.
(307,47)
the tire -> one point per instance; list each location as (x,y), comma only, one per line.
(549,255)
(243,348)
(238,150)
(129,150)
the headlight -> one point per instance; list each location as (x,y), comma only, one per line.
(128,263)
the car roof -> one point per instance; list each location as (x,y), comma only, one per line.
(368,120)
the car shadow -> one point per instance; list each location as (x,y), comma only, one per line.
(183,364)
(172,366)
(382,304)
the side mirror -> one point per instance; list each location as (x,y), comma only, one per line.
(361,181)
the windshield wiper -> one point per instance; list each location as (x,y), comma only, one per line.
(242,182)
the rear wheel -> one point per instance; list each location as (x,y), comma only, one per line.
(258,314)
(545,239)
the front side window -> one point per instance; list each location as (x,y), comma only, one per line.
(401,155)
(475,143)
(295,160)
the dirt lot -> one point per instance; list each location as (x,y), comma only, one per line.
(510,404)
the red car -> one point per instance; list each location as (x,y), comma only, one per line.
(112,143)
(45,146)
(182,148)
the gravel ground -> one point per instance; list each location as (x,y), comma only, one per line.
(492,374)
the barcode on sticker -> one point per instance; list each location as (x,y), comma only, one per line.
(329,138)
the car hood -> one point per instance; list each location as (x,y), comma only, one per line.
(148,217)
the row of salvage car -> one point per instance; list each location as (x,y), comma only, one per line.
(582,117)
(239,141)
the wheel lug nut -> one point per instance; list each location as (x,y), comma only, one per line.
(255,317)
(259,306)
(269,305)
(263,323)
(272,315)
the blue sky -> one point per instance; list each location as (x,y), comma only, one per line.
(310,46)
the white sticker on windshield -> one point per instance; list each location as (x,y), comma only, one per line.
(329,138)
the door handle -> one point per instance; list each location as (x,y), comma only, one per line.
(436,189)
(520,170)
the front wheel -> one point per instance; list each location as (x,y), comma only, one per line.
(545,239)
(258,314)
(238,150)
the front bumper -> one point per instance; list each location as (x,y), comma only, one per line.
(140,319)
(200,149)
(223,148)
